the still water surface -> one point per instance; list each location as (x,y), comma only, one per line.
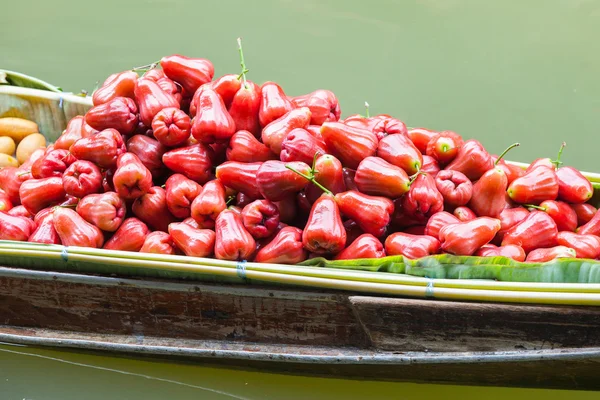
(35,374)
(498,71)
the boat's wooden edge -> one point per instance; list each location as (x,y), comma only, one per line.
(540,368)
(303,330)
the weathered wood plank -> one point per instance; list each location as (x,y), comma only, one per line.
(422,325)
(573,369)
(177,310)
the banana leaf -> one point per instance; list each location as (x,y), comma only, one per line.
(21,80)
(445,266)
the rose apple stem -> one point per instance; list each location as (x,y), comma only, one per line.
(147,67)
(310,178)
(367,110)
(242,76)
(509,148)
(557,162)
(534,207)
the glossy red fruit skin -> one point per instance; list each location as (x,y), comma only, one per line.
(287,209)
(192,241)
(195,162)
(437,221)
(171,127)
(5,203)
(102,149)
(537,230)
(37,194)
(512,171)
(212,123)
(245,107)
(53,163)
(299,145)
(423,199)
(400,151)
(274,103)
(510,217)
(323,106)
(129,237)
(365,246)
(260,218)
(387,125)
(19,211)
(82,178)
(561,213)
(150,152)
(152,209)
(510,250)
(489,194)
(120,113)
(592,227)
(121,84)
(11,179)
(324,232)
(585,246)
(455,187)
(151,99)
(537,185)
(285,248)
(74,131)
(190,73)
(472,160)
(371,213)
(430,166)
(330,174)
(105,210)
(443,147)
(44,232)
(465,238)
(421,137)
(244,147)
(349,144)
(209,203)
(131,179)
(411,246)
(377,177)
(74,230)
(585,212)
(240,177)
(275,132)
(573,187)
(180,193)
(464,214)
(549,254)
(233,242)
(158,243)
(276,182)
(15,227)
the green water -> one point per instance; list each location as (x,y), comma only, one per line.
(51,375)
(499,71)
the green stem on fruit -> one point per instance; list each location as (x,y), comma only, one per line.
(557,162)
(230,200)
(534,207)
(147,67)
(23,173)
(509,148)
(310,178)
(242,76)
(368,115)
(414,177)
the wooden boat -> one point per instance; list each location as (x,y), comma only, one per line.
(291,329)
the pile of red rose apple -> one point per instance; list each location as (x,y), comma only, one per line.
(172,161)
